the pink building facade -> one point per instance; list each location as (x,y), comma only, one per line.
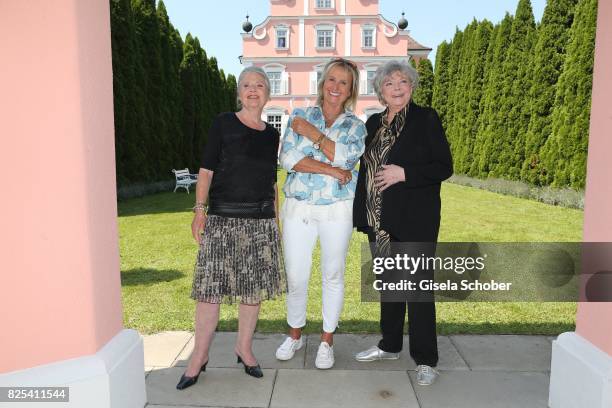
(300,36)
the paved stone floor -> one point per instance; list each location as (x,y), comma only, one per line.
(500,371)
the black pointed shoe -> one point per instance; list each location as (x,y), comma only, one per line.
(186,382)
(253,371)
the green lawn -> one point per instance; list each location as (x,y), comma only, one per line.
(158,253)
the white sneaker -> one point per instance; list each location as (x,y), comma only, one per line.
(426,375)
(325,356)
(287,350)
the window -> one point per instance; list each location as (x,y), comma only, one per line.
(282,37)
(368,38)
(324,4)
(370,83)
(325,38)
(315,77)
(275,120)
(275,82)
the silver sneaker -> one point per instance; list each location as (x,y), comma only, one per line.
(375,354)
(426,375)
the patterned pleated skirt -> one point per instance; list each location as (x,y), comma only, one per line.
(239,260)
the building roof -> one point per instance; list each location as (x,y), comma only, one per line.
(413,45)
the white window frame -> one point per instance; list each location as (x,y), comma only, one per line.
(283,88)
(314,78)
(276,111)
(370,84)
(323,7)
(363,79)
(325,27)
(276,124)
(287,34)
(365,28)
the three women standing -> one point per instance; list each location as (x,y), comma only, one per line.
(396,199)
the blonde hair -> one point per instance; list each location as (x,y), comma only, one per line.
(351,68)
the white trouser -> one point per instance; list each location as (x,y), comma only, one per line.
(302,225)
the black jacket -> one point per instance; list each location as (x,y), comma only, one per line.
(411,209)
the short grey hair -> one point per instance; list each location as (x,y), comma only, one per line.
(385,71)
(252,70)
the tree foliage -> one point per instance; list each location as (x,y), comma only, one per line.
(423,94)
(514,98)
(564,153)
(166,92)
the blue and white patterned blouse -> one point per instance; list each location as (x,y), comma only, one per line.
(348,132)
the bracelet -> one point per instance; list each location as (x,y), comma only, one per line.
(200,207)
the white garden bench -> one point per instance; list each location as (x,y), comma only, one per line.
(184,179)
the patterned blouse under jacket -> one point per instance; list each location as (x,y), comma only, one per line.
(349,133)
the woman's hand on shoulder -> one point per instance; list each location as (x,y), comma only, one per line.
(302,127)
(388,176)
(197,225)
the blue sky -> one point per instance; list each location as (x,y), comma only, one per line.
(218,24)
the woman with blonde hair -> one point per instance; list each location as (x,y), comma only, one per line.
(320,149)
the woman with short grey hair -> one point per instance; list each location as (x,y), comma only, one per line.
(239,257)
(398,201)
(252,70)
(402,67)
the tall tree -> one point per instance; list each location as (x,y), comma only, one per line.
(564,154)
(513,120)
(454,68)
(169,96)
(439,98)
(232,88)
(548,63)
(488,135)
(467,99)
(147,31)
(424,92)
(457,97)
(478,125)
(189,71)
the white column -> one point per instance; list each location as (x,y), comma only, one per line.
(301,34)
(347,36)
(305,7)
(343,7)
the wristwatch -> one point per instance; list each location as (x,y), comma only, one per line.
(317,144)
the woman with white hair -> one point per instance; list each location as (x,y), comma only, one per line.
(320,150)
(239,257)
(397,200)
